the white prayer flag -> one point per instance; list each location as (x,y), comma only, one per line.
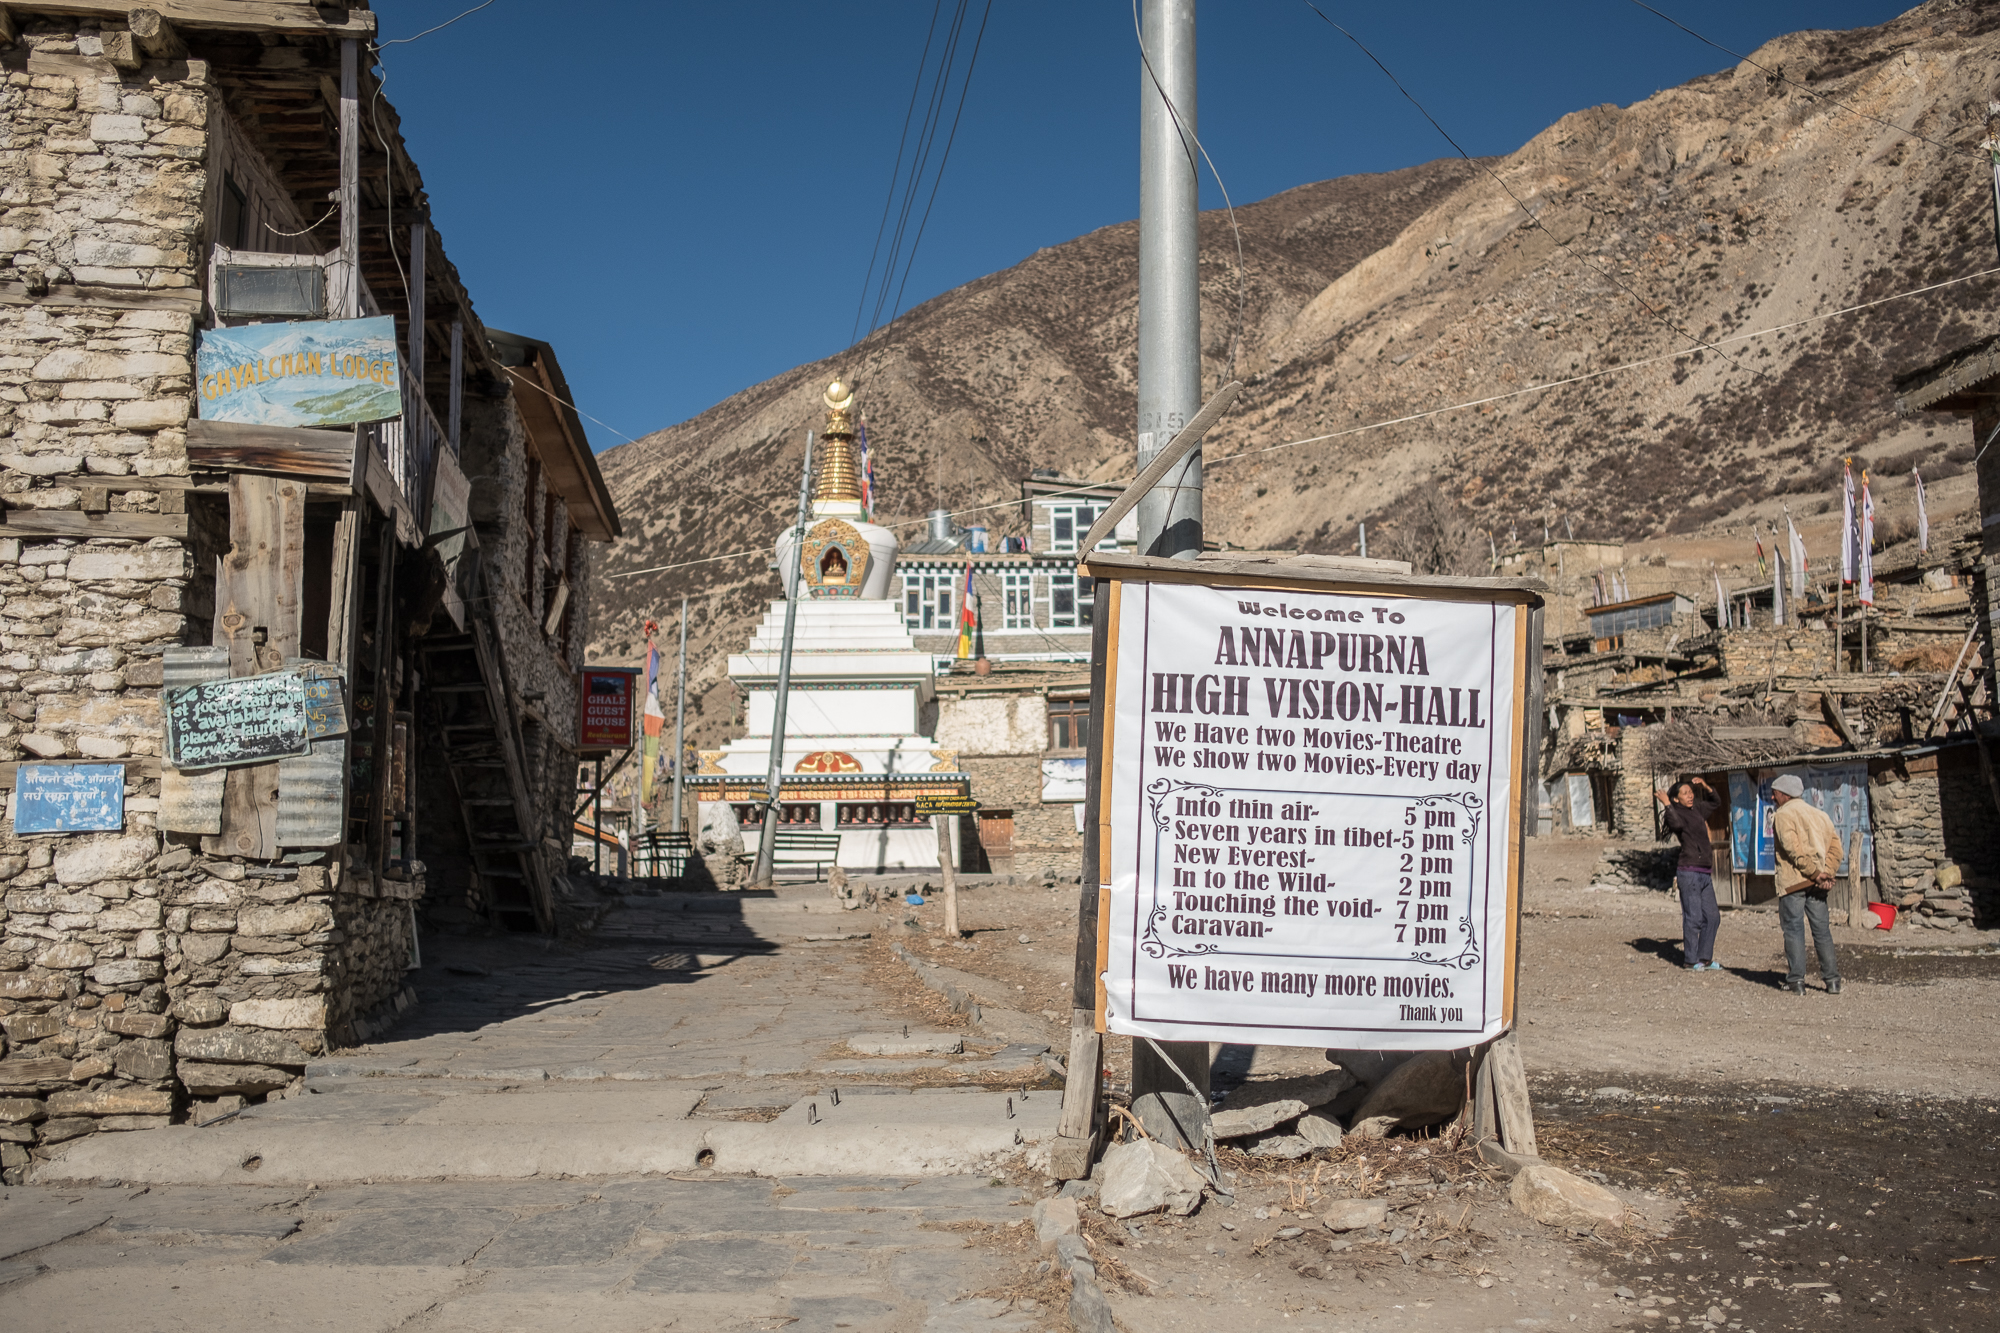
(1797,546)
(1777,584)
(1923,514)
(1848,558)
(1721,603)
(1866,591)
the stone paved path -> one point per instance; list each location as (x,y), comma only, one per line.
(598,1076)
(606,1256)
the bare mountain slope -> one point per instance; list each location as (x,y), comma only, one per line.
(1734,203)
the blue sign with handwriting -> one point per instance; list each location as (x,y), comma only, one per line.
(69,798)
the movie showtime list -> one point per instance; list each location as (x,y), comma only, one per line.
(1309,815)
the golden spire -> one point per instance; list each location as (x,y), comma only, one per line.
(839,475)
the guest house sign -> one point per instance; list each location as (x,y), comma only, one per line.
(1308,804)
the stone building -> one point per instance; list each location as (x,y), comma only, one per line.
(390,610)
(1020,732)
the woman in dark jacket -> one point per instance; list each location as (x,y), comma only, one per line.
(1687,819)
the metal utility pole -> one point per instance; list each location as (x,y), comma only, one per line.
(680,720)
(1169,275)
(1169,397)
(791,580)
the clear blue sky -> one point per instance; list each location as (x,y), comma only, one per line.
(682,197)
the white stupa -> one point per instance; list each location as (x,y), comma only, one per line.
(855,751)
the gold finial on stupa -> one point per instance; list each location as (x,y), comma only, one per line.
(839,475)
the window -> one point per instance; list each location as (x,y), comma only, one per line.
(1070,600)
(927,601)
(1069,724)
(1069,523)
(1018,592)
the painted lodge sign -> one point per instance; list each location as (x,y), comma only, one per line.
(311,373)
(1308,803)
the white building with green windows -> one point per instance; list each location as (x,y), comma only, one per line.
(1031,604)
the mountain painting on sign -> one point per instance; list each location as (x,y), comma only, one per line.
(315,373)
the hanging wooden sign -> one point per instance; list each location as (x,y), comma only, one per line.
(242,720)
(1308,802)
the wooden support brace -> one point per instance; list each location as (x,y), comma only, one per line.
(1510,1097)
(9,34)
(156,37)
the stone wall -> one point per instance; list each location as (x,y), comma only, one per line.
(101,180)
(1045,836)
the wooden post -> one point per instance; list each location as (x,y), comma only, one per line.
(1857,901)
(1839,643)
(349,297)
(455,402)
(945,823)
(1076,1132)
(257,619)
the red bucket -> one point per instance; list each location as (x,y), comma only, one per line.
(1885,915)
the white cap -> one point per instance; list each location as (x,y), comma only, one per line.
(1790,785)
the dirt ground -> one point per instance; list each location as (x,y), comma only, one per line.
(1801,1162)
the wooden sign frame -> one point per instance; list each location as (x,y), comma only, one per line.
(1115,575)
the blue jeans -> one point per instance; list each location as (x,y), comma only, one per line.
(1699,916)
(1794,911)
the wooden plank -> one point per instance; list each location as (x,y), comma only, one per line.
(273,16)
(1510,1095)
(259,588)
(240,446)
(136,769)
(192,802)
(9,34)
(1331,575)
(184,299)
(346,572)
(1086,1052)
(1485,1118)
(75,523)
(348,299)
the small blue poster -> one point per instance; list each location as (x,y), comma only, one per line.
(69,798)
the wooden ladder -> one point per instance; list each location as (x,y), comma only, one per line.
(479,742)
(1967,695)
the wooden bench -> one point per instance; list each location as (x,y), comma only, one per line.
(794,849)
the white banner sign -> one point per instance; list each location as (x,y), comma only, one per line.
(1312,817)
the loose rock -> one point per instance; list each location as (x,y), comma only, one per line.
(1554,1197)
(1425,1090)
(1145,1177)
(1054,1219)
(1353,1214)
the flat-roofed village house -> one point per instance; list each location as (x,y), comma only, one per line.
(360,641)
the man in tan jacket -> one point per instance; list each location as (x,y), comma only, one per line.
(1808,854)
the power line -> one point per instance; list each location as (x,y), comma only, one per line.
(428,31)
(920,163)
(1782,77)
(889,202)
(1597,374)
(1521,203)
(938,179)
(1402,420)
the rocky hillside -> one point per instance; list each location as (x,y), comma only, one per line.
(1737,202)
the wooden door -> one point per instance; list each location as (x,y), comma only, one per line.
(996,835)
